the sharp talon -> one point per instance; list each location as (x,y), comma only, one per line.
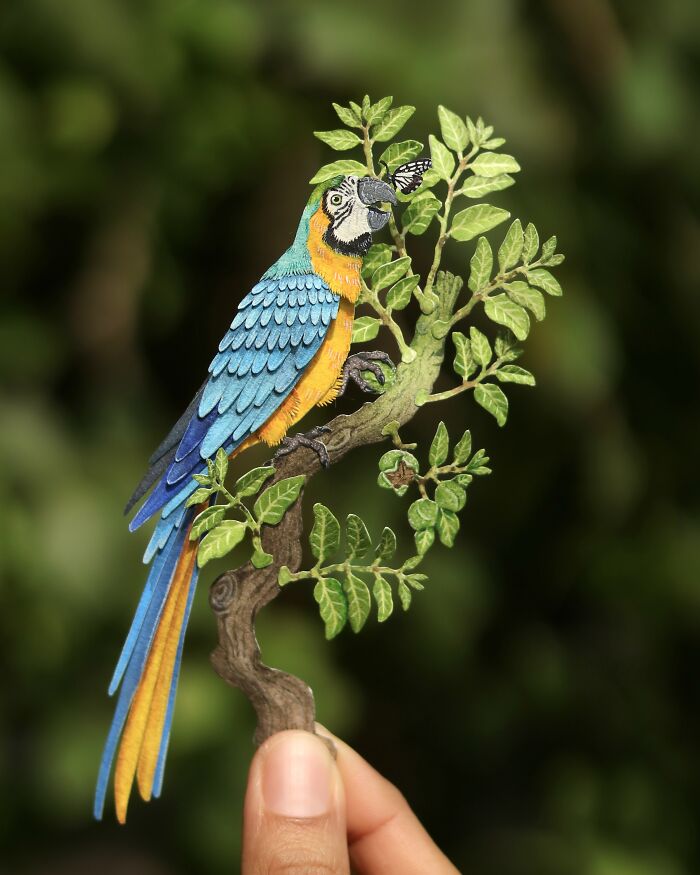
(364,361)
(291,443)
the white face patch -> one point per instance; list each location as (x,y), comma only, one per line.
(349,216)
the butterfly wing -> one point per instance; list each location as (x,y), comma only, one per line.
(408,177)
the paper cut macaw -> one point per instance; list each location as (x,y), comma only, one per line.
(285,352)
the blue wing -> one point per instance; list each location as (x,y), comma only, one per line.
(278,328)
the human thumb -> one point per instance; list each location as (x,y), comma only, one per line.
(294,813)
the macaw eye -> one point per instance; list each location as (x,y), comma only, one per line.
(336,200)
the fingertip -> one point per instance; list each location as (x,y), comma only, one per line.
(297,775)
(294,807)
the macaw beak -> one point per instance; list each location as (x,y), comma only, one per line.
(373,191)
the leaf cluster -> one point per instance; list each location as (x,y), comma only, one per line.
(342,588)
(218,534)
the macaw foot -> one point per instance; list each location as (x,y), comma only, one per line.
(310,440)
(363,361)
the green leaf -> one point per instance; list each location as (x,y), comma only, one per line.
(420,213)
(544,280)
(206,520)
(284,576)
(392,123)
(443,159)
(221,464)
(424,538)
(450,496)
(415,581)
(399,295)
(197,497)
(365,328)
(251,482)
(447,527)
(453,130)
(272,505)
(531,243)
(359,604)
(220,541)
(478,186)
(401,152)
(526,296)
(348,116)
(261,559)
(387,544)
(477,220)
(202,479)
(357,109)
(502,310)
(495,143)
(332,604)
(377,111)
(378,254)
(440,446)
(481,348)
(479,458)
(405,595)
(514,374)
(325,534)
(422,514)
(339,168)
(387,274)
(492,399)
(385,483)
(494,164)
(339,140)
(549,247)
(512,247)
(395,470)
(383,598)
(430,178)
(464,363)
(391,459)
(481,265)
(366,103)
(483,129)
(555,260)
(463,448)
(357,540)
(502,345)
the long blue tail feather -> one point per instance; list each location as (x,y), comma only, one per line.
(136,660)
(161,565)
(165,738)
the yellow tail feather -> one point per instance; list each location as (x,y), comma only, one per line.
(153,732)
(162,650)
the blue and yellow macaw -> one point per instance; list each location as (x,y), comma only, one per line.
(285,352)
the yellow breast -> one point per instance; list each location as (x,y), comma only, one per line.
(341,272)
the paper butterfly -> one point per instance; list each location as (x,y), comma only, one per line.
(408,177)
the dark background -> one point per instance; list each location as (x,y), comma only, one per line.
(539,704)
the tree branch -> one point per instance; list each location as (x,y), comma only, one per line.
(281,700)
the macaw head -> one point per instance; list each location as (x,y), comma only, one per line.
(350,205)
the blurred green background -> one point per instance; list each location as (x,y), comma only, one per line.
(539,704)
